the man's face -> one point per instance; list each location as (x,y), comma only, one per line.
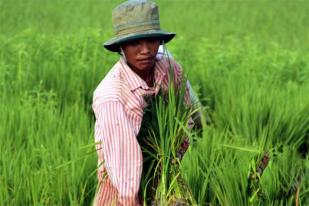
(141,54)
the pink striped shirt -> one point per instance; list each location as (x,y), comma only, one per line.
(118,104)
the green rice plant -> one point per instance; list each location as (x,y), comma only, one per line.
(265,21)
(161,136)
(199,163)
(220,176)
(30,59)
(258,111)
(43,158)
(216,170)
(284,177)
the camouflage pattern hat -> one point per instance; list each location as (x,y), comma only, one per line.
(135,19)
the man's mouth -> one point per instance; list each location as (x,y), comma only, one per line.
(146,60)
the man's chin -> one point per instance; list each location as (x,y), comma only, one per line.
(145,67)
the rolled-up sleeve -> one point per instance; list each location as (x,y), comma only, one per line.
(122,153)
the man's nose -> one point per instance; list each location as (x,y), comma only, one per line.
(145,46)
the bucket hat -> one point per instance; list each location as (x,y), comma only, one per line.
(135,19)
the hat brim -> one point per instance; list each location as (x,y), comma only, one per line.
(114,43)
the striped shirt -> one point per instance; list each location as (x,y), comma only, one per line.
(118,104)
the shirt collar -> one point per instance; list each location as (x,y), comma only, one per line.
(135,82)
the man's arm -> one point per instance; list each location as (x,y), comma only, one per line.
(122,153)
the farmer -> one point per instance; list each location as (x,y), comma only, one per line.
(119,100)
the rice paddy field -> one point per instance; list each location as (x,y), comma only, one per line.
(247,60)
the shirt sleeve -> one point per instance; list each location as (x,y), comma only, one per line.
(122,153)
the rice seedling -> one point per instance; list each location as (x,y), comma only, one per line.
(162,137)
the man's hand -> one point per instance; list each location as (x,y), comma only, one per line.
(183,148)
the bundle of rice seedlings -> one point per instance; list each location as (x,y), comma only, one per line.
(164,139)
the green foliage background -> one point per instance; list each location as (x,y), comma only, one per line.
(248,61)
